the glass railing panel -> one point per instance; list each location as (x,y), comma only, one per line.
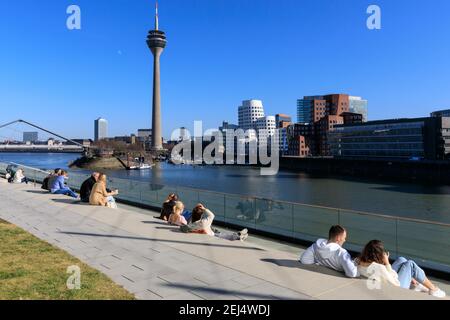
(39,176)
(240,211)
(149,194)
(274,216)
(417,240)
(3,167)
(362,228)
(311,222)
(189,197)
(164,192)
(215,202)
(129,190)
(76,180)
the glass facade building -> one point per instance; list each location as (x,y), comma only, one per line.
(418,139)
(441,113)
(305,110)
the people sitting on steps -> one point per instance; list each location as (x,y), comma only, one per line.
(329,253)
(100,196)
(19,177)
(176,218)
(373,263)
(58,185)
(87,185)
(204,226)
(49,179)
(167,207)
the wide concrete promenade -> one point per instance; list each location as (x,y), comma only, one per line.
(155,261)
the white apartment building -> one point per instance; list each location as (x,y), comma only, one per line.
(249,113)
(266,127)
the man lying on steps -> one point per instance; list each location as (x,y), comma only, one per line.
(329,253)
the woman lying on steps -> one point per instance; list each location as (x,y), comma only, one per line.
(374,264)
(203,226)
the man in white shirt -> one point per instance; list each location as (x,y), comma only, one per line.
(329,253)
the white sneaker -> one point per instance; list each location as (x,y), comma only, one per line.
(243,237)
(245,231)
(420,288)
(438,293)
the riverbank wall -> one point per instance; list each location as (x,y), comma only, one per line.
(437,172)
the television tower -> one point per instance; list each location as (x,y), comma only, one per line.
(156,41)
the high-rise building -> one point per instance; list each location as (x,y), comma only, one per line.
(359,105)
(283,120)
(101,129)
(156,41)
(30,137)
(317,115)
(249,113)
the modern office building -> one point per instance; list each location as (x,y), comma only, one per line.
(249,113)
(316,115)
(300,140)
(360,106)
(100,129)
(30,137)
(283,120)
(144,136)
(156,41)
(413,139)
(144,133)
(313,108)
(442,113)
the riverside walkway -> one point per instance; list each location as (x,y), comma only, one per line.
(155,261)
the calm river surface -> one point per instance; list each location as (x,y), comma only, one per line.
(428,202)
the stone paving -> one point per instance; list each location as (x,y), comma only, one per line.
(155,261)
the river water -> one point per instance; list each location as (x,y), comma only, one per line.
(428,202)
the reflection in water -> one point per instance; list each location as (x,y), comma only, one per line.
(429,202)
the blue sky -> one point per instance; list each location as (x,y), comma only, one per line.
(219,53)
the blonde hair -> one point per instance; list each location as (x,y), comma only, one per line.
(102,178)
(178,207)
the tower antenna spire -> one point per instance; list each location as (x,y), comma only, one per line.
(156,16)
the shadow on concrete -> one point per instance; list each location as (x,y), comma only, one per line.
(37,191)
(154,222)
(171,228)
(69,201)
(158,240)
(297,265)
(197,290)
